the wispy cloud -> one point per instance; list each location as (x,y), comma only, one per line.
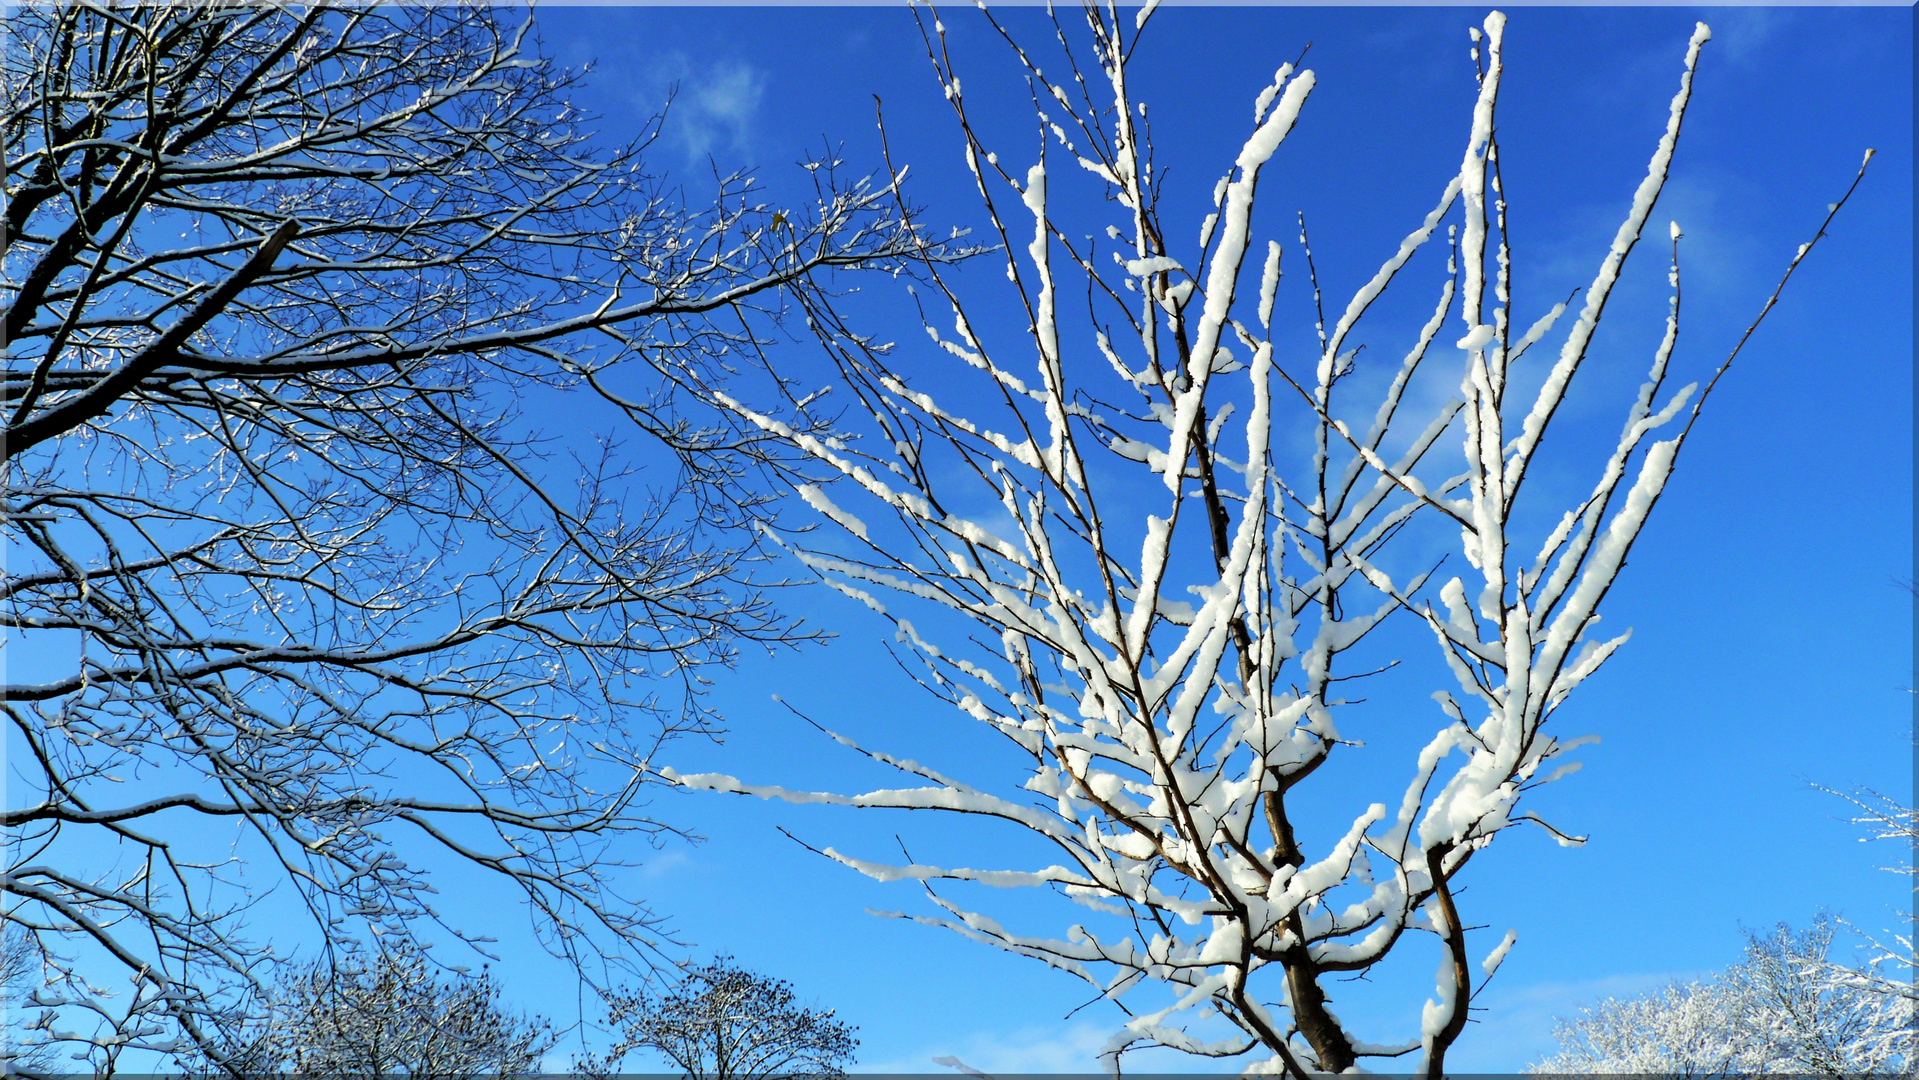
(715,105)
(1741,36)
(665,863)
(1063,1048)
(1066,1047)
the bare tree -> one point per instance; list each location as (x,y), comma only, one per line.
(1118,564)
(390,1014)
(722,1022)
(294,586)
(24,1047)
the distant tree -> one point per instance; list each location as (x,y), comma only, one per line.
(1785,1007)
(394,1014)
(722,1022)
(1816,1015)
(1893,965)
(24,1049)
(1685,1029)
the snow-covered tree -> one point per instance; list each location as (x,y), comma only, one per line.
(1886,980)
(1685,1029)
(1893,965)
(391,1014)
(1786,1007)
(294,587)
(722,1022)
(1111,552)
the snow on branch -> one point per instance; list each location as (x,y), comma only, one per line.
(1167,608)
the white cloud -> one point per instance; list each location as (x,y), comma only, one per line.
(1057,1049)
(1062,1048)
(1742,36)
(665,863)
(715,106)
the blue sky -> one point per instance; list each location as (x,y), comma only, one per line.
(1772,639)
